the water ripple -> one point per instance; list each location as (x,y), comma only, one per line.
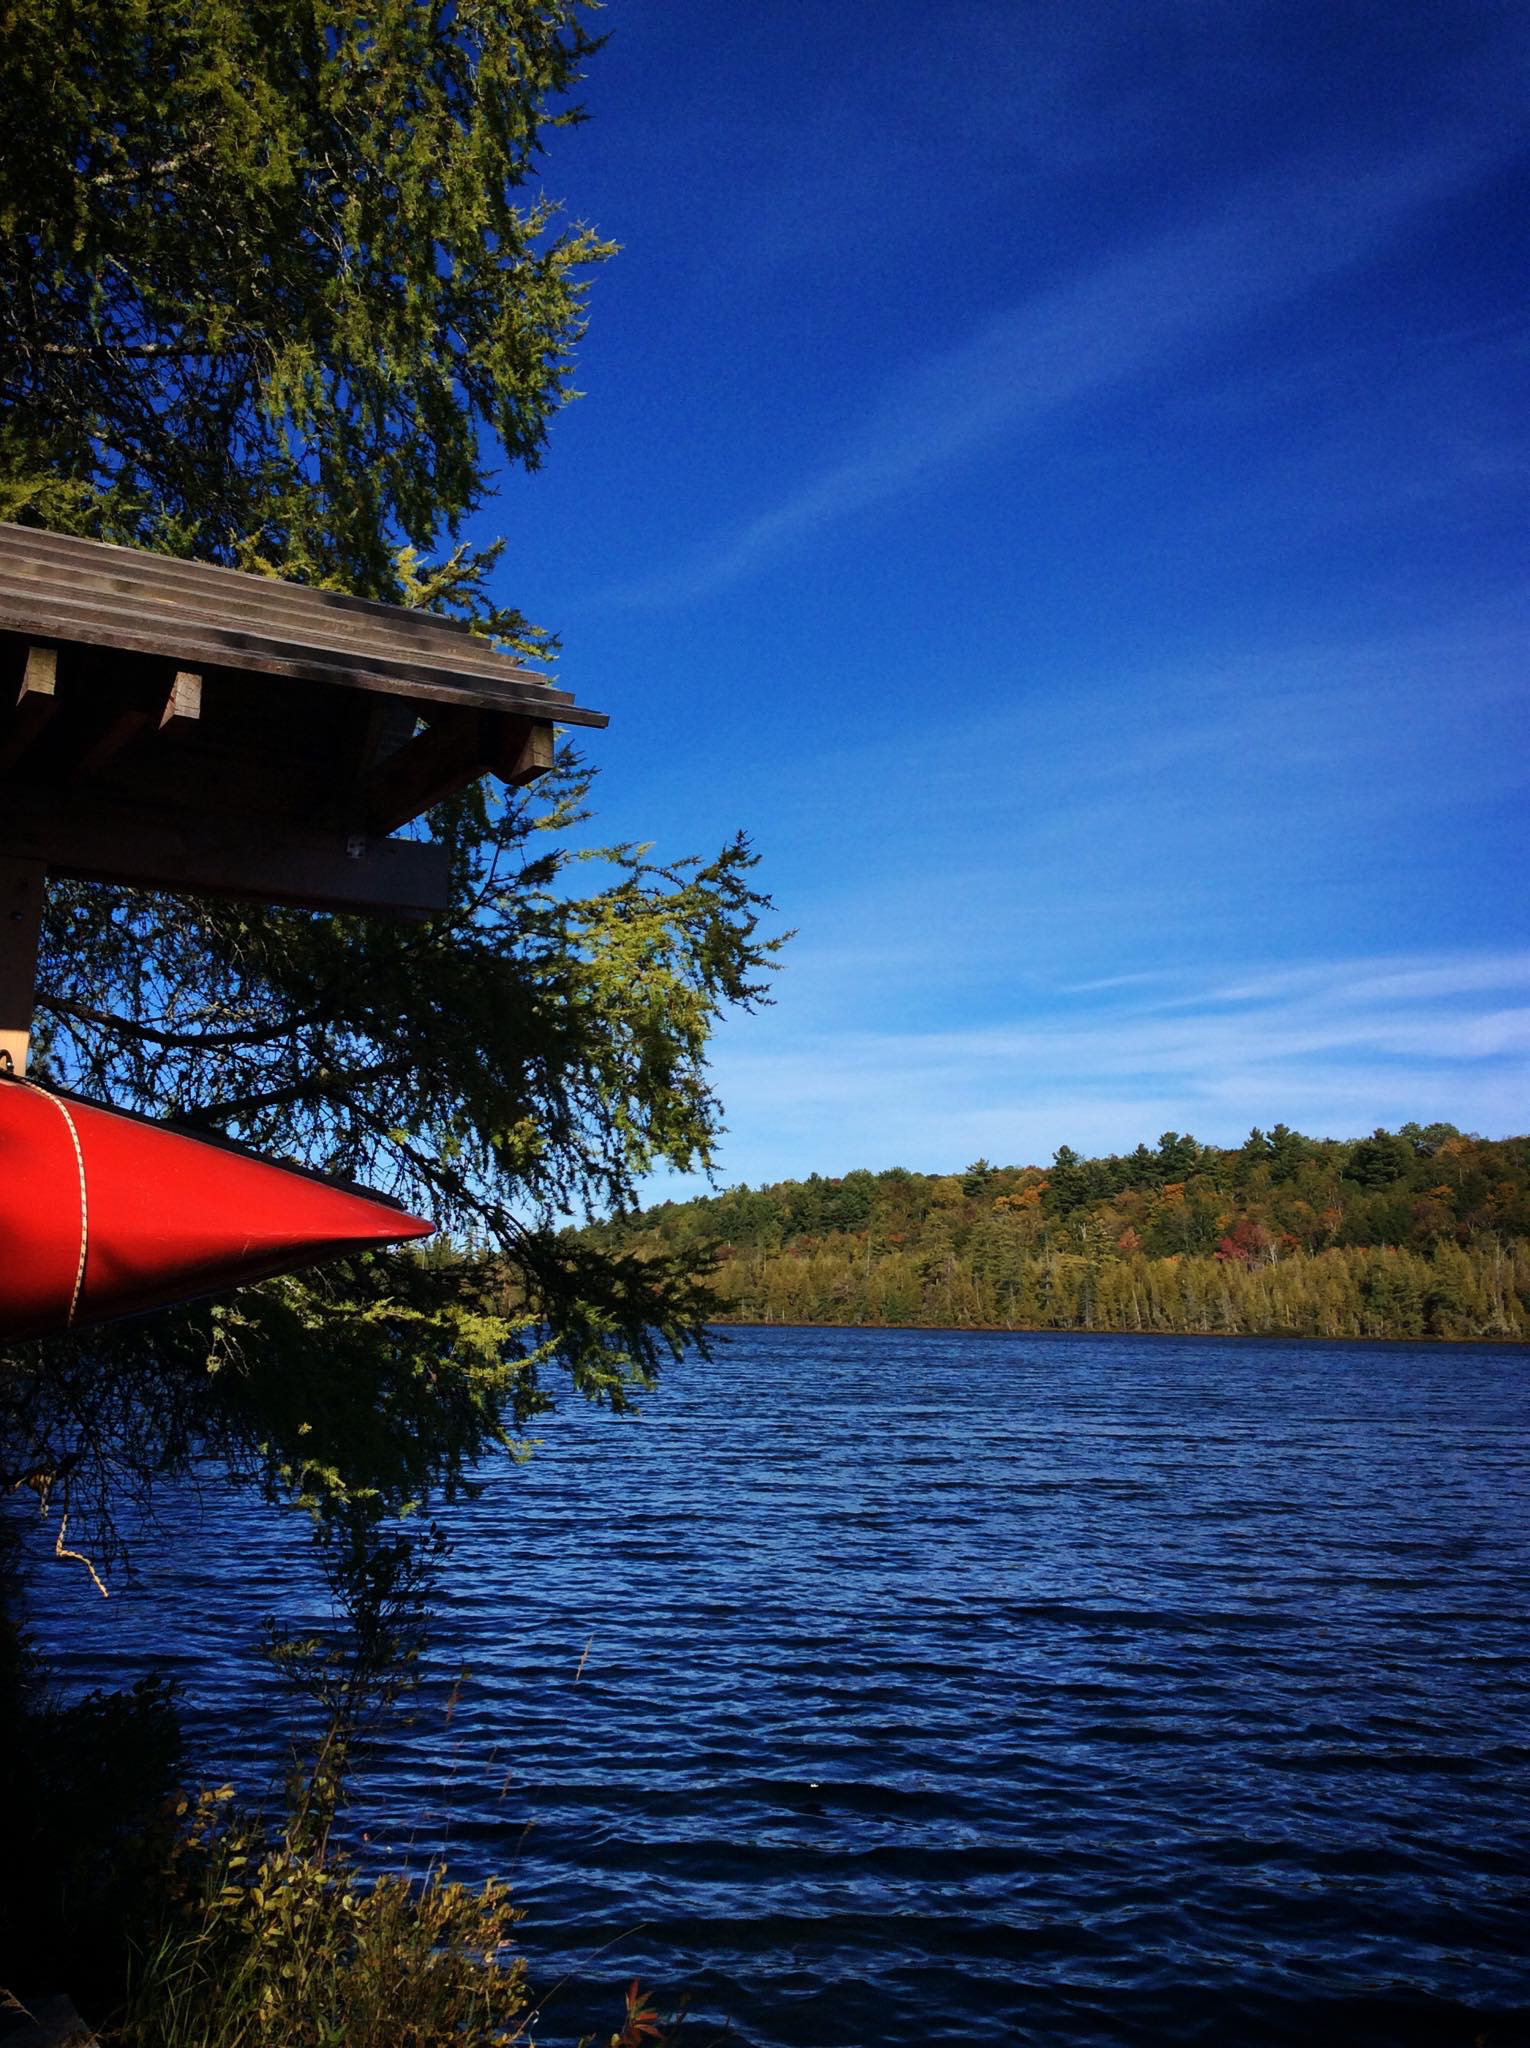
(890,1688)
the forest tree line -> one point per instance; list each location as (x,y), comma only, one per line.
(1419,1232)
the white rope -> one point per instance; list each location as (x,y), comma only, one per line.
(79,1160)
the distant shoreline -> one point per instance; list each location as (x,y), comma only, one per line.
(1155,1336)
(1421,1233)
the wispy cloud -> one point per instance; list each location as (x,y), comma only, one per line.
(1134,315)
(1333,1047)
(1374,984)
(1100,834)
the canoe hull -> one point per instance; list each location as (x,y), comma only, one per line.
(105,1215)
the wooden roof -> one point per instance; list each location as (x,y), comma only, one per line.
(185,726)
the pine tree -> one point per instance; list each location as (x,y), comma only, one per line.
(279,288)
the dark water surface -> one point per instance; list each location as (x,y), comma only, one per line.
(962,1688)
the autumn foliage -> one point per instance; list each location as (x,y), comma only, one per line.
(1422,1232)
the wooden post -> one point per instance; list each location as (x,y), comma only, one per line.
(21,907)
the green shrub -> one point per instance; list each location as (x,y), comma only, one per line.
(269,1940)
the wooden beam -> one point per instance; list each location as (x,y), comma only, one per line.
(523,749)
(121,725)
(21,908)
(146,709)
(39,680)
(267,860)
(183,701)
(435,764)
(36,700)
(455,749)
(377,727)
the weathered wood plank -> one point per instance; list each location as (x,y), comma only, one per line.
(199,644)
(309,866)
(279,610)
(37,598)
(138,564)
(21,908)
(272,610)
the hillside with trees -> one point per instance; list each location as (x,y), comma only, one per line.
(1419,1232)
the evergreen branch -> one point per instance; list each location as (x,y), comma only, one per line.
(190,1041)
(166,167)
(322,1085)
(102,351)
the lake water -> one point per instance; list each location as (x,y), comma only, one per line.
(887,1688)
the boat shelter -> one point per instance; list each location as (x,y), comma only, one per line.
(176,725)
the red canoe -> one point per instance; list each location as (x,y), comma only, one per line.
(104,1214)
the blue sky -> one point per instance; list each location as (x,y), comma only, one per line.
(1057,479)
